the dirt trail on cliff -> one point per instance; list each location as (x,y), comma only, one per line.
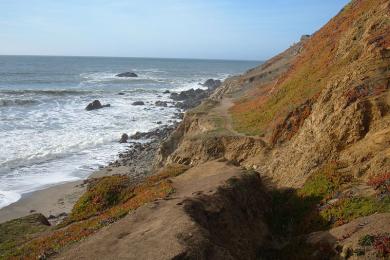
(222,110)
(156,230)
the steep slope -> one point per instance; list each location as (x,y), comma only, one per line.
(324,99)
(313,127)
(200,221)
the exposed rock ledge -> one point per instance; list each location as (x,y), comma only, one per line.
(204,219)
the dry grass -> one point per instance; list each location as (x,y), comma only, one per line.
(330,54)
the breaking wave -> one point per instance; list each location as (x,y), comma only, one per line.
(17,102)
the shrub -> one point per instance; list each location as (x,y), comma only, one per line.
(380,243)
(101,194)
(367,240)
(351,208)
(326,182)
(381,183)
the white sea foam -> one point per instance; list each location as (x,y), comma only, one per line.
(8,197)
(47,137)
(17,102)
(59,141)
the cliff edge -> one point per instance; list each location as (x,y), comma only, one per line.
(290,160)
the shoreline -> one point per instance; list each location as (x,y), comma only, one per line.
(138,161)
(56,202)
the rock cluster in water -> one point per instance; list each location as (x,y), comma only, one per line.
(127,75)
(96,105)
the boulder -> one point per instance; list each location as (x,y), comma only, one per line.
(138,103)
(166,92)
(212,84)
(124,138)
(127,75)
(161,104)
(96,105)
(188,94)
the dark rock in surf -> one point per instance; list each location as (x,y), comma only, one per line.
(212,84)
(138,103)
(124,138)
(161,104)
(96,105)
(166,92)
(127,75)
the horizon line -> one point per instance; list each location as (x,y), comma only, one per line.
(126,57)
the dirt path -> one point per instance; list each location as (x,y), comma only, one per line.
(154,230)
(222,111)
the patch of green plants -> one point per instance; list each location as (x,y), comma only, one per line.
(204,107)
(18,231)
(326,182)
(380,243)
(301,211)
(351,208)
(101,194)
(367,240)
(296,212)
(117,206)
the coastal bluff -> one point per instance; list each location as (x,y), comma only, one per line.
(289,160)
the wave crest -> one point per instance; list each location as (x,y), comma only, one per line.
(52,92)
(17,102)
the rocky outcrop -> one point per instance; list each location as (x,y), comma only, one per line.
(96,105)
(212,84)
(127,75)
(363,238)
(232,223)
(124,138)
(189,98)
(220,216)
(292,123)
(161,103)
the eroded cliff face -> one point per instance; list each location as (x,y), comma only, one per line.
(325,99)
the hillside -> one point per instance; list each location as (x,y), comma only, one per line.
(290,160)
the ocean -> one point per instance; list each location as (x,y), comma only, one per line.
(47,136)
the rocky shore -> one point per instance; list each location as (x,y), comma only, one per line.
(137,162)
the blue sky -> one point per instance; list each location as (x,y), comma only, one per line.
(214,29)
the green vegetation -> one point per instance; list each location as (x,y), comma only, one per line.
(367,240)
(332,52)
(307,209)
(109,198)
(326,182)
(21,230)
(101,194)
(380,243)
(204,107)
(352,208)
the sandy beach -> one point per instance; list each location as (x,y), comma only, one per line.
(53,201)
